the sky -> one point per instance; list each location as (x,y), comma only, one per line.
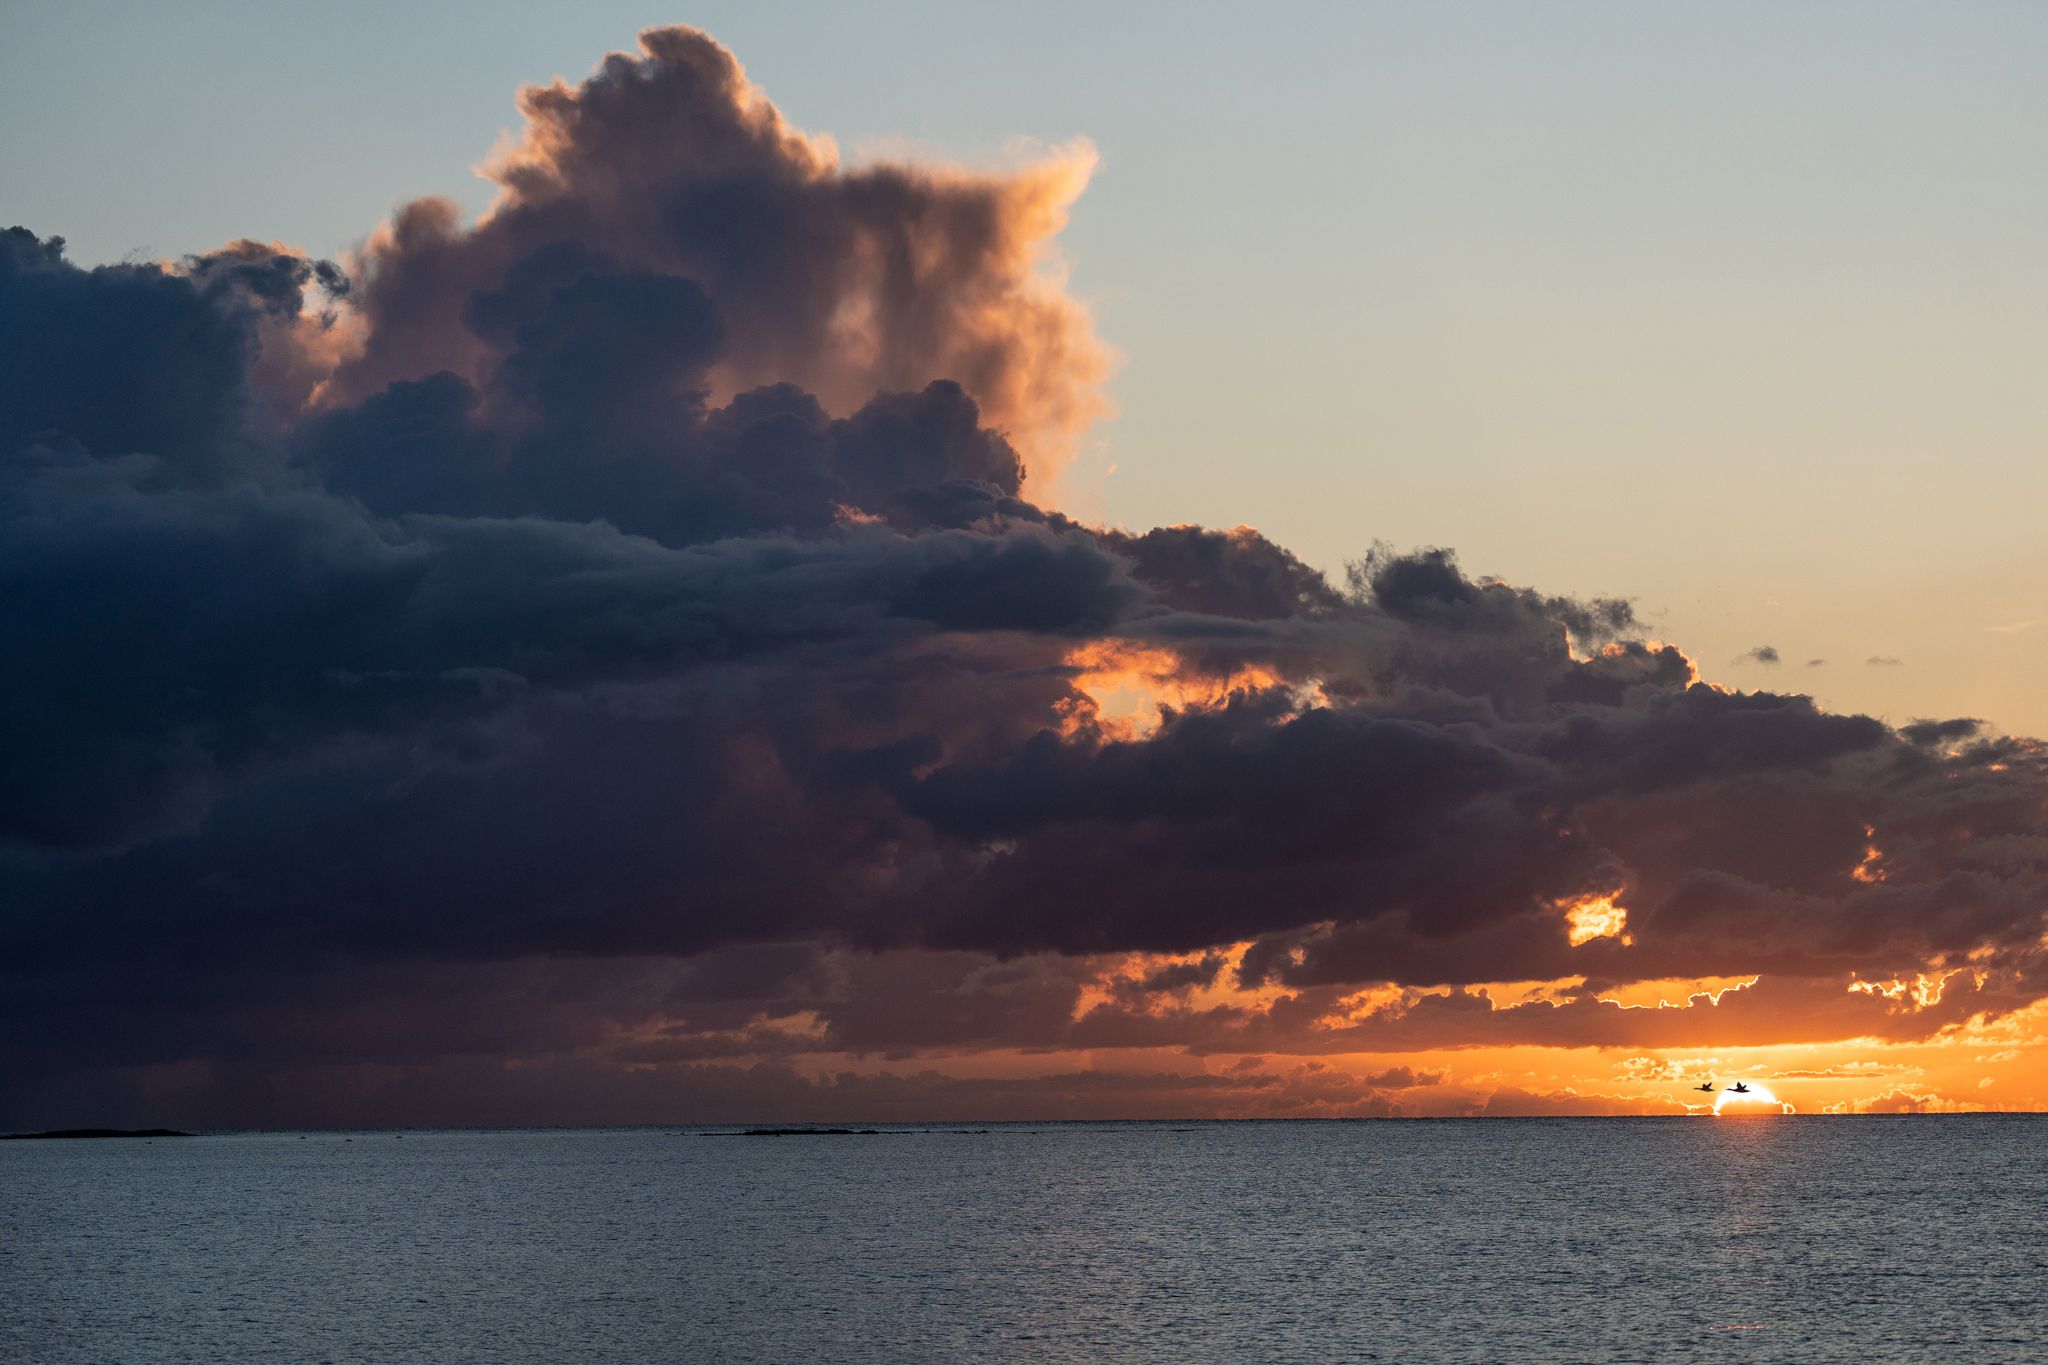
(456,684)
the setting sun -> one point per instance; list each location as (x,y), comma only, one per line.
(1752,1101)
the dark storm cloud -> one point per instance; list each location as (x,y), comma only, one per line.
(1224,573)
(1939,732)
(1180,976)
(159,640)
(624,629)
(124,360)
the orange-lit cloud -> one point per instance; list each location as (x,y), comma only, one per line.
(1120,687)
(1598,917)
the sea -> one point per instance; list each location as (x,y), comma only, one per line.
(1918,1238)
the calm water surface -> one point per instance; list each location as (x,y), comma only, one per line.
(1493,1240)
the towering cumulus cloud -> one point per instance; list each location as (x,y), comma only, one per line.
(843,283)
(614,660)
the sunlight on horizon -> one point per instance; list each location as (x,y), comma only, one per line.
(1756,1102)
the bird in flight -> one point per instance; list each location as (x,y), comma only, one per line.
(1739,1088)
(1704,1085)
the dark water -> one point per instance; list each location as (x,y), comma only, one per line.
(1781,1239)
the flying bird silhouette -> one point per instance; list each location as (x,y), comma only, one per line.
(1704,1085)
(1739,1088)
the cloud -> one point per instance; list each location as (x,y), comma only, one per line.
(1884,661)
(1763,654)
(629,634)
(129,360)
(669,163)
(1934,733)
(1862,1070)
(1514,1102)
(1906,1101)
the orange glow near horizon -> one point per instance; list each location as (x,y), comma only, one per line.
(1287,1051)
(1674,991)
(1967,1065)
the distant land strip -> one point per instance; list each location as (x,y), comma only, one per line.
(802,1132)
(96,1133)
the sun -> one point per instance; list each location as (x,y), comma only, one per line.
(1757,1100)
